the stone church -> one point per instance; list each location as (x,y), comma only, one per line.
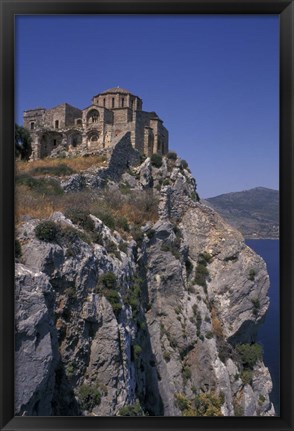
(90,130)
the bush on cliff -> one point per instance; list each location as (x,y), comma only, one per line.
(249,354)
(131,410)
(156,160)
(80,218)
(107,286)
(43,186)
(172,155)
(47,231)
(89,396)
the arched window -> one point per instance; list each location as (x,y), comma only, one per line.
(93,116)
(93,137)
(122,102)
(56,124)
(113,102)
(79,122)
(32,125)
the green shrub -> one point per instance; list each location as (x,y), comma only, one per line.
(137,350)
(166,355)
(89,396)
(186,373)
(189,266)
(47,231)
(261,399)
(69,369)
(122,223)
(252,274)
(80,218)
(132,297)
(137,234)
(107,286)
(209,404)
(256,303)
(202,275)
(246,377)
(194,197)
(106,218)
(172,248)
(17,249)
(131,410)
(184,164)
(172,155)
(107,281)
(60,170)
(156,160)
(44,186)
(204,257)
(67,235)
(182,402)
(114,299)
(249,354)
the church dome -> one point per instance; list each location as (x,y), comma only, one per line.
(116,90)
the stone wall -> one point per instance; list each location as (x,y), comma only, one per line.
(72,114)
(35,116)
(96,126)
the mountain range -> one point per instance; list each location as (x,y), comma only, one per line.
(254,212)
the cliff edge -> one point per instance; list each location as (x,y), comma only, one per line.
(153,315)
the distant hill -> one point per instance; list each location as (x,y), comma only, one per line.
(254,212)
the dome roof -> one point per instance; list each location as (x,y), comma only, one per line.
(116,90)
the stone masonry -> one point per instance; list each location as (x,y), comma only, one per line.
(90,130)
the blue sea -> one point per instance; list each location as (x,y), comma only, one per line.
(269,333)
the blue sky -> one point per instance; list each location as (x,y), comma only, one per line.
(212,79)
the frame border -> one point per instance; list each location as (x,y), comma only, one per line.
(8,10)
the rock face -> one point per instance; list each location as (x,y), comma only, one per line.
(36,343)
(154,324)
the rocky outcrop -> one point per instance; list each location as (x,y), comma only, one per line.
(150,323)
(36,348)
(121,156)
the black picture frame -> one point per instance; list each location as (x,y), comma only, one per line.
(8,10)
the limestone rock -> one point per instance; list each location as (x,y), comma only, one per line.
(36,353)
(154,322)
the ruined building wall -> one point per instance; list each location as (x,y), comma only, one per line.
(116,111)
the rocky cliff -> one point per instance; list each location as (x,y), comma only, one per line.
(158,319)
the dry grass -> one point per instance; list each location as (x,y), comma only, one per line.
(76,163)
(137,207)
(30,204)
